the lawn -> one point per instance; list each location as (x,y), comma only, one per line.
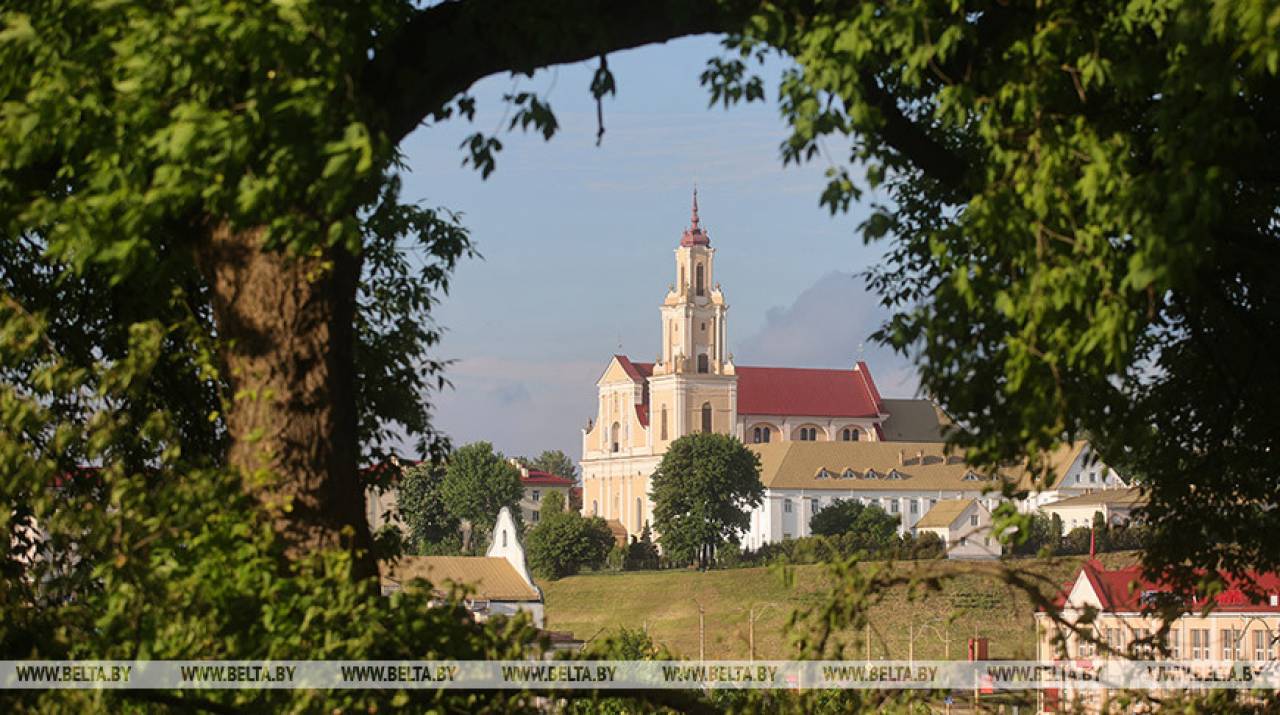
(665,603)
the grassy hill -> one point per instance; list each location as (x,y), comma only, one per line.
(666,603)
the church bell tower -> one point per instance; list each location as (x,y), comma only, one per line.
(693,386)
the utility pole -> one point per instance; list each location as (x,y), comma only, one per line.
(702,633)
(911,643)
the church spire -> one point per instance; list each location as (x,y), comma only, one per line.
(694,235)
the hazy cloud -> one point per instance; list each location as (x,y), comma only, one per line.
(829,325)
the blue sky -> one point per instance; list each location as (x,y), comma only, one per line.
(577,240)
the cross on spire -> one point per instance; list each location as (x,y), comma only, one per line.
(694,218)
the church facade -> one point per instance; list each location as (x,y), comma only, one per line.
(695,386)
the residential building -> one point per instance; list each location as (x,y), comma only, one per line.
(1116,506)
(537,484)
(964,525)
(1123,603)
(499,582)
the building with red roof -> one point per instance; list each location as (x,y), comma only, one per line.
(537,484)
(695,386)
(1108,613)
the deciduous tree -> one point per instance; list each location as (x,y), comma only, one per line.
(703,492)
(1080,203)
(478,482)
(422,505)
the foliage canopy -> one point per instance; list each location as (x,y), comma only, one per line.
(703,492)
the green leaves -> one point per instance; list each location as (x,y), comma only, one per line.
(1076,217)
(703,492)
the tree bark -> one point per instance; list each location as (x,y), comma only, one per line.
(287,333)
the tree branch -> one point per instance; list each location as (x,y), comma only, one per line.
(912,141)
(446,48)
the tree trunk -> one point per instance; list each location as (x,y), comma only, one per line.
(287,333)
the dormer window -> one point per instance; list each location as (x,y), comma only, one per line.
(871,474)
(849,474)
(895,474)
(971,476)
(823,474)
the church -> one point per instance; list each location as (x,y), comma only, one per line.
(694,385)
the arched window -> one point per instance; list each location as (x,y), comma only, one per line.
(706,417)
(663,421)
(639,513)
(504,538)
(850,434)
(760,435)
(595,507)
(681,286)
(613,437)
(697,278)
(703,363)
(807,434)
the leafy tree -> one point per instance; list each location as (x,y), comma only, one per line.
(1081,206)
(871,524)
(422,505)
(552,503)
(563,542)
(1038,535)
(642,553)
(703,492)
(555,462)
(477,483)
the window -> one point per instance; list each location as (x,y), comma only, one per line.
(849,434)
(533,516)
(504,536)
(1231,643)
(1115,639)
(808,434)
(760,435)
(1093,477)
(973,520)
(786,506)
(1174,641)
(1138,647)
(823,473)
(914,506)
(964,540)
(663,421)
(595,507)
(1200,644)
(613,439)
(1085,647)
(697,277)
(639,513)
(1261,646)
(813,506)
(706,417)
(535,495)
(703,363)
(893,506)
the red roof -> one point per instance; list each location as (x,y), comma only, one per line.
(538,478)
(637,371)
(642,414)
(805,391)
(1126,590)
